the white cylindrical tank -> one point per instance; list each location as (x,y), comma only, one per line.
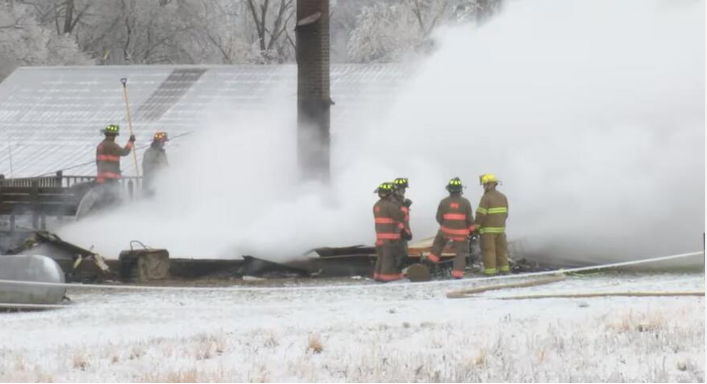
(30,268)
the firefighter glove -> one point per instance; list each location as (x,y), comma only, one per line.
(132,138)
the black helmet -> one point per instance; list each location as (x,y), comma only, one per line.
(401,183)
(384,189)
(111,130)
(455,185)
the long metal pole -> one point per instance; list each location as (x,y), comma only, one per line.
(130,123)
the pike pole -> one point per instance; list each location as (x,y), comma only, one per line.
(130,124)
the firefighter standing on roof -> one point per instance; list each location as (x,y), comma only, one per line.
(153,162)
(400,185)
(491,218)
(388,221)
(456,222)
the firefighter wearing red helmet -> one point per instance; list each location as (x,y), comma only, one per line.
(154,161)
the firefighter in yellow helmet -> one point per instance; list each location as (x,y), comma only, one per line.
(456,222)
(388,220)
(490,221)
(108,154)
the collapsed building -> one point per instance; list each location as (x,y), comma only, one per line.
(51,117)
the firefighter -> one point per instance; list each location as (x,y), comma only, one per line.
(153,162)
(400,185)
(388,221)
(490,222)
(456,221)
(108,155)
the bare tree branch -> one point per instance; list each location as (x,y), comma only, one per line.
(278,24)
(81,14)
(68,15)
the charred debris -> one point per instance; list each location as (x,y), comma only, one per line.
(143,264)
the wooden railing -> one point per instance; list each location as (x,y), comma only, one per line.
(57,195)
(59,180)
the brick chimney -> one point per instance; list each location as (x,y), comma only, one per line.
(313,97)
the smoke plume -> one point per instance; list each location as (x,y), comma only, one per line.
(591,112)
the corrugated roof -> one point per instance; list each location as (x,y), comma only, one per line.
(50,117)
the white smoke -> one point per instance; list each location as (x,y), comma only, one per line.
(590,111)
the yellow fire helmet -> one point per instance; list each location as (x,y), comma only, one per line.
(487,178)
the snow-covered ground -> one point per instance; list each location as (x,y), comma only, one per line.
(365,332)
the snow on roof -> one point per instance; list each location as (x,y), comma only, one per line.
(50,117)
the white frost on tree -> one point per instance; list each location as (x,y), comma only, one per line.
(24,42)
(384,32)
(119,32)
(392,30)
(248,31)
(175,31)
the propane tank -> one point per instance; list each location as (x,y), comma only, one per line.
(30,268)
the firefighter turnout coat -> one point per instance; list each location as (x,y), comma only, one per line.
(389,223)
(108,155)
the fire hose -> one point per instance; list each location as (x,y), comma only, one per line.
(465,293)
(470,293)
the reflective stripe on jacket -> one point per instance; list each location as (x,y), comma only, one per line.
(108,155)
(406,216)
(492,212)
(388,220)
(455,217)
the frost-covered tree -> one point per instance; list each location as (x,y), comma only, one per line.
(139,31)
(390,30)
(384,32)
(250,31)
(47,32)
(24,42)
(221,38)
(273,21)
(175,31)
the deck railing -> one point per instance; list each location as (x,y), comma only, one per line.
(131,184)
(57,195)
